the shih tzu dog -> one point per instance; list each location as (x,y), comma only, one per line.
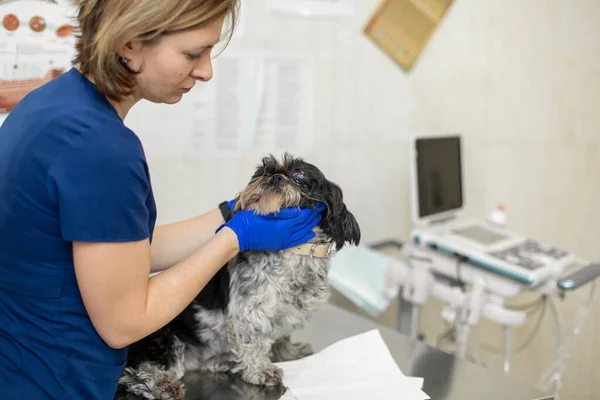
(241,322)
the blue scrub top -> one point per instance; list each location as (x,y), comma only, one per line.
(69,171)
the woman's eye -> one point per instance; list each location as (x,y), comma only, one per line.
(194,56)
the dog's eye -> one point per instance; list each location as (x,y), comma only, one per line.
(298,175)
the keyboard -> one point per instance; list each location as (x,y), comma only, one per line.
(529,254)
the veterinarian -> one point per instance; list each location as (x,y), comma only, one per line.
(77,213)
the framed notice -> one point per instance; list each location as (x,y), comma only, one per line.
(402,28)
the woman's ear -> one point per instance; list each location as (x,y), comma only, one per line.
(132,55)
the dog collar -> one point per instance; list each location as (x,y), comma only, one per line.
(312,250)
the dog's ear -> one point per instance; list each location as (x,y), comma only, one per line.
(338,222)
(268,164)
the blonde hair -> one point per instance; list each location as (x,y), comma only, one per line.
(104,26)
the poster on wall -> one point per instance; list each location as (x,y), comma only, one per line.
(36,45)
(402,28)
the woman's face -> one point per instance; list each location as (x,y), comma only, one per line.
(171,66)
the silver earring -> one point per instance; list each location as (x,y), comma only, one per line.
(124,60)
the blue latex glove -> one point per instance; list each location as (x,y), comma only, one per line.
(288,228)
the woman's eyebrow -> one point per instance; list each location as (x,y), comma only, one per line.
(200,48)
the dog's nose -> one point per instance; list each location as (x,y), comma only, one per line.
(275,179)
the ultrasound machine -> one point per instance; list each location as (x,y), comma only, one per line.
(474,266)
(438,202)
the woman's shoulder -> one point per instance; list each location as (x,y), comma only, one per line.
(67,99)
(70,112)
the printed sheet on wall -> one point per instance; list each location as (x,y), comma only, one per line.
(36,45)
(257,101)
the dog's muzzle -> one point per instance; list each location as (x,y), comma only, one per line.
(277,180)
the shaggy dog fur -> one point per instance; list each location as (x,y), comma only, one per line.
(242,320)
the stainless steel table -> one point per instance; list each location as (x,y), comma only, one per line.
(445,377)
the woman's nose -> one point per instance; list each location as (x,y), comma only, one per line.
(203,70)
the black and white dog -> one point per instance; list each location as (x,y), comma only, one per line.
(242,320)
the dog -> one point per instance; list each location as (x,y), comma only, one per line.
(241,322)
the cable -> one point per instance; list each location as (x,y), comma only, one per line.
(557,327)
(451,331)
(557,377)
(534,332)
(534,310)
(527,342)
(553,375)
(459,280)
(531,304)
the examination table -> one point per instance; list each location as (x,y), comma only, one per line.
(445,376)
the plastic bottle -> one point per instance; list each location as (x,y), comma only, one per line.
(498,217)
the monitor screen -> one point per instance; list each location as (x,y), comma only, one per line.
(439,175)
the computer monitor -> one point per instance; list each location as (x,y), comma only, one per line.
(437,178)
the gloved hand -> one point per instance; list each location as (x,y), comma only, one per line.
(288,228)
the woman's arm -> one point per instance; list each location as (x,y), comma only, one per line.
(123,303)
(172,243)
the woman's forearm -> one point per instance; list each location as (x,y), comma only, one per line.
(172,243)
(171,291)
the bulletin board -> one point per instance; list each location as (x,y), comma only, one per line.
(402,28)
(36,45)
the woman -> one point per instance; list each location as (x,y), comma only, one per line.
(77,213)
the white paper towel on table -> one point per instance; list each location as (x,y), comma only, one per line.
(360,367)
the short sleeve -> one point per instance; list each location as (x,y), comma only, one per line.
(101,188)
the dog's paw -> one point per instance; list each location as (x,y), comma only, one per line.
(152,384)
(270,375)
(172,391)
(303,350)
(286,350)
